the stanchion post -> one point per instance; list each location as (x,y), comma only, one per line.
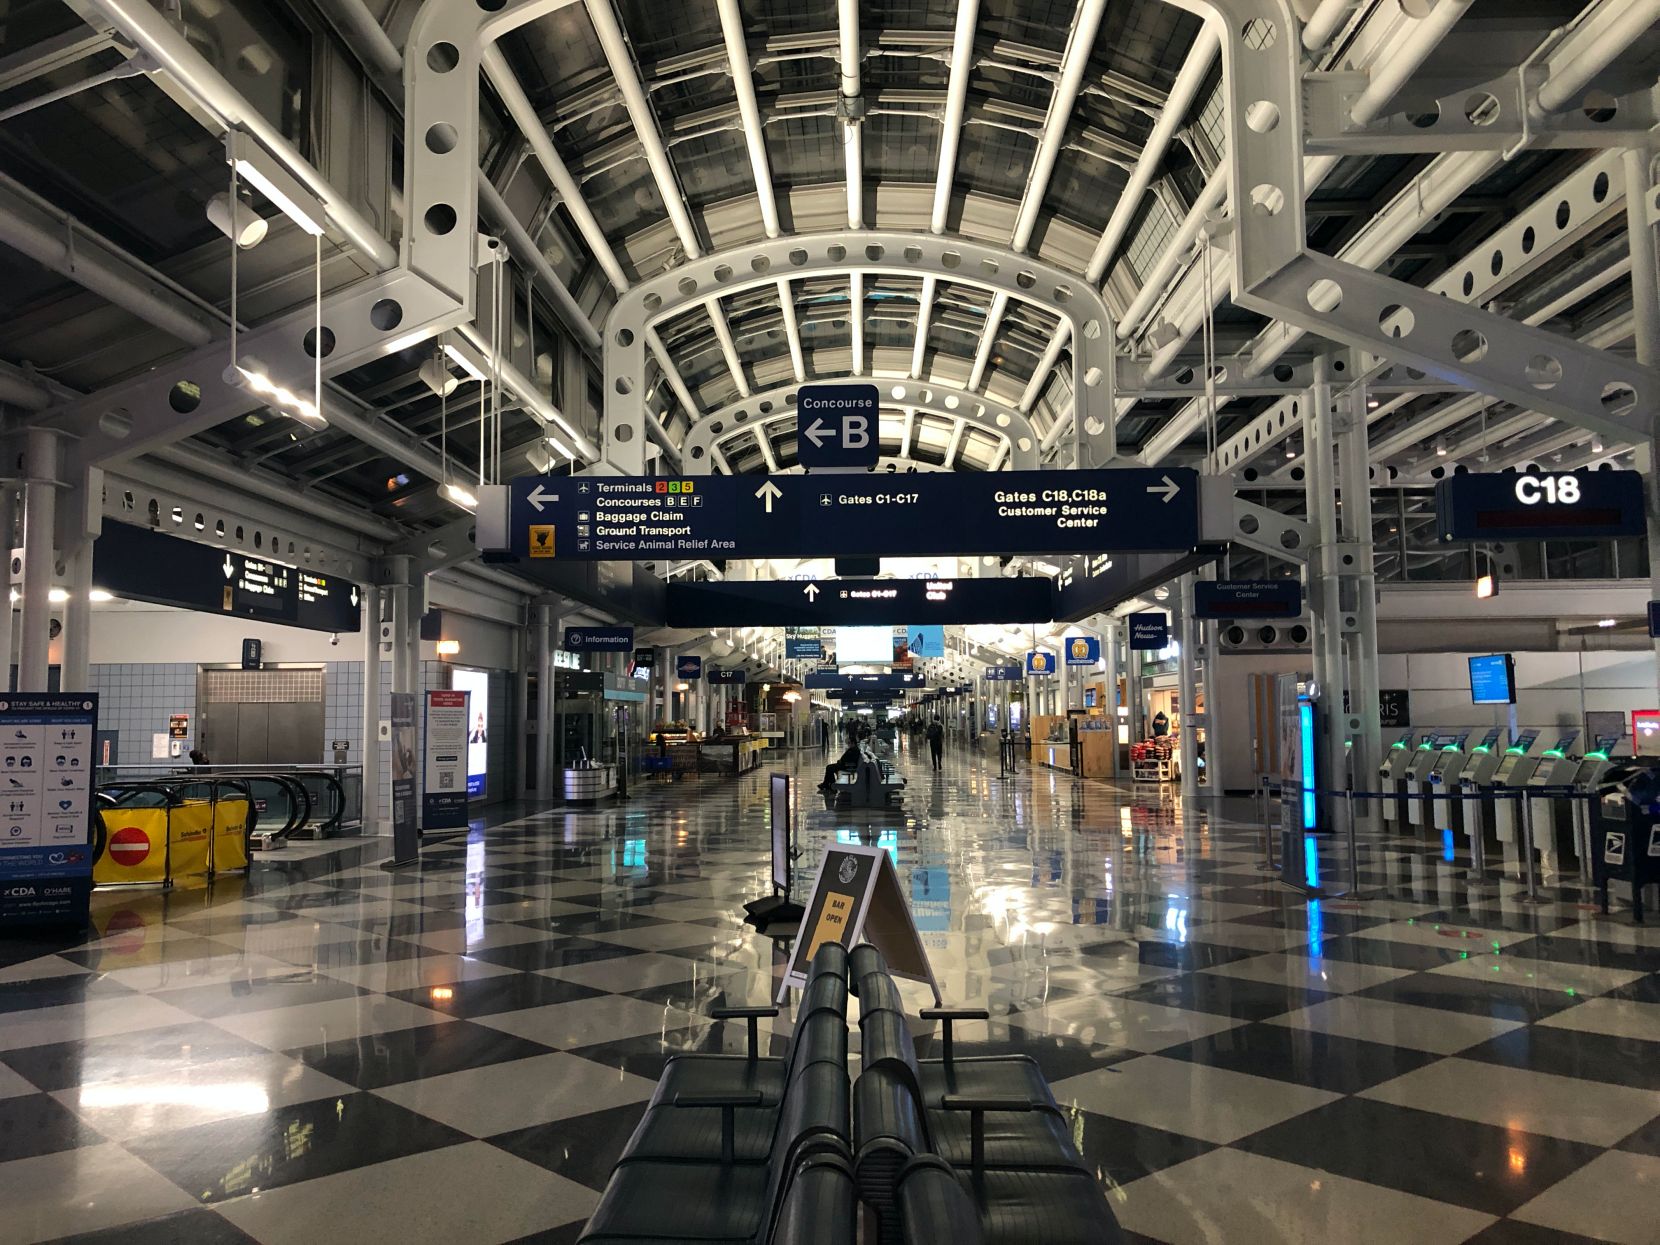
(1532,895)
(1354,858)
(1477,875)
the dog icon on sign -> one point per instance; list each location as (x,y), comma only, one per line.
(541,540)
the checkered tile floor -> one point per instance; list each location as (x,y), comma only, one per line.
(328,1052)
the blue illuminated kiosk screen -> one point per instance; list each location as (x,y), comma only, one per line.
(1493,679)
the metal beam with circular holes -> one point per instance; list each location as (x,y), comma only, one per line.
(872,252)
(741,418)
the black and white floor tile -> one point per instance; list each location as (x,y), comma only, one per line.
(325,1051)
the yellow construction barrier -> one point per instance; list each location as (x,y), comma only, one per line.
(230,834)
(191,835)
(137,847)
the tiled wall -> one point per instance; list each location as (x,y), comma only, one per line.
(136,700)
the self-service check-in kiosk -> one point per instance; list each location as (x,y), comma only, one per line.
(1556,769)
(1593,767)
(1430,776)
(1453,814)
(1514,771)
(1392,776)
(1476,778)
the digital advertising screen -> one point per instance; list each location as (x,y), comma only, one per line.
(1493,679)
(864,646)
(476,683)
(926,641)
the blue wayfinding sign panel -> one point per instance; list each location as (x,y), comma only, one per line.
(599,639)
(1082,650)
(1565,505)
(597,518)
(46,754)
(689,668)
(1149,631)
(718,677)
(855,602)
(1003,674)
(897,681)
(1040,661)
(837,426)
(1654,619)
(1247,598)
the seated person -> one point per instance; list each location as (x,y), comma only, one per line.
(848,761)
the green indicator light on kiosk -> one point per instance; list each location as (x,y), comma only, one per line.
(1515,751)
(1553,752)
(1481,748)
(1397,744)
(1596,756)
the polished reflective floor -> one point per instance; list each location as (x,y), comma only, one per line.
(328,1052)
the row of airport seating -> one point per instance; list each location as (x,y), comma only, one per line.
(757,1150)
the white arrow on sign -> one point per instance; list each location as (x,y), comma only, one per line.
(1169,488)
(354,596)
(818,432)
(538,496)
(770,492)
(810,592)
(230,567)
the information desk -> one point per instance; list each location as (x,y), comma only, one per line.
(586,785)
(1042,727)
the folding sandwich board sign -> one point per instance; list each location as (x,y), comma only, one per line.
(856,896)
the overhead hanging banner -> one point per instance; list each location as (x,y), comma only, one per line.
(1082,650)
(1039,662)
(689,668)
(1149,631)
(444,793)
(718,678)
(46,832)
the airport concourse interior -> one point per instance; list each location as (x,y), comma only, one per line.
(829,622)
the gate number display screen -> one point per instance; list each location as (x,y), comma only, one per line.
(1570,505)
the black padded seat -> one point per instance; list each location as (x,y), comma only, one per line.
(674,1132)
(934,1206)
(653,1200)
(1032,1140)
(1043,1208)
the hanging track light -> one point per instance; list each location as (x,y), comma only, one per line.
(237,220)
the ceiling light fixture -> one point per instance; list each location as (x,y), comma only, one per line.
(98,596)
(438,378)
(250,374)
(257,167)
(463,362)
(1605,622)
(237,220)
(460,496)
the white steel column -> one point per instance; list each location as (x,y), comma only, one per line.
(852,123)
(1354,477)
(1325,607)
(542,641)
(76,671)
(1638,164)
(370,728)
(40,499)
(1186,690)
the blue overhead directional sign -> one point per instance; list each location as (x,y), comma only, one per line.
(1003,674)
(837,426)
(856,602)
(597,518)
(717,678)
(1247,598)
(1082,650)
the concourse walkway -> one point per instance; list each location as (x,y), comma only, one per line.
(457,1052)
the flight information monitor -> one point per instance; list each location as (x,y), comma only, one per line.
(1493,679)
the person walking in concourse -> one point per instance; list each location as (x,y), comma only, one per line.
(936,741)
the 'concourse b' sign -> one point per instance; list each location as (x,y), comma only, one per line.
(837,425)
